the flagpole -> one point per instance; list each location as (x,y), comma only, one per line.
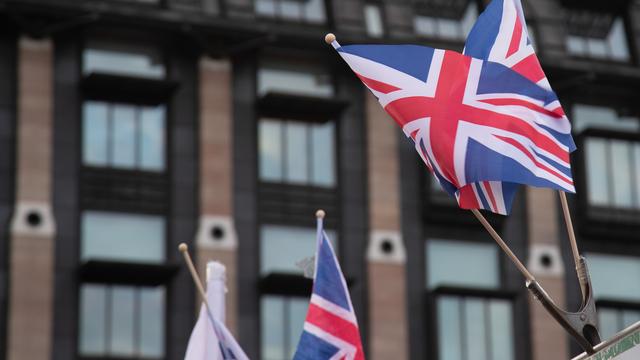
(503,245)
(574,243)
(184,249)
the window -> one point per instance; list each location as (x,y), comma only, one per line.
(123,136)
(281,325)
(299,242)
(449,25)
(308,11)
(617,291)
(283,306)
(607,154)
(122,321)
(598,36)
(471,325)
(123,60)
(298,153)
(373,20)
(122,237)
(292,78)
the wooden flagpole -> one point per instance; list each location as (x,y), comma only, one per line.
(574,243)
(184,249)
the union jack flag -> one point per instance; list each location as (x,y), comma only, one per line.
(330,329)
(479,126)
(501,35)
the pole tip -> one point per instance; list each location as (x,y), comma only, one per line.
(329,38)
(320,214)
(183,247)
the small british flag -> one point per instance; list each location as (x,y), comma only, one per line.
(330,328)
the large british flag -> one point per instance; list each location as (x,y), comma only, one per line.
(330,329)
(481,127)
(501,35)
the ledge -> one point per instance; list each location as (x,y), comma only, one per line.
(130,89)
(114,272)
(312,108)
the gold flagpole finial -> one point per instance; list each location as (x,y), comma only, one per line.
(320,214)
(329,38)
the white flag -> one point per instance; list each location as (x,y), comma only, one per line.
(210,339)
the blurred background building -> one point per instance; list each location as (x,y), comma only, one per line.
(129,126)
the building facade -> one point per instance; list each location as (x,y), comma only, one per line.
(130,126)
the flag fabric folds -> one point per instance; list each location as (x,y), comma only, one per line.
(501,35)
(330,328)
(480,127)
(210,339)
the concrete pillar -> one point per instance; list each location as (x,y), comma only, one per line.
(31,262)
(216,238)
(548,338)
(386,256)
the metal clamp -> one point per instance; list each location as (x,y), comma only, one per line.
(582,325)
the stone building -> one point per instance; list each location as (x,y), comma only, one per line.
(130,126)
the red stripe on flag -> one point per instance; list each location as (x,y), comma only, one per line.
(336,326)
(516,37)
(376,85)
(467,198)
(528,105)
(530,68)
(538,164)
(489,191)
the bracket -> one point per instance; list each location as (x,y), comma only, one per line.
(582,325)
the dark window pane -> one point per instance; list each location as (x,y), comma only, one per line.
(297,156)
(475,320)
(449,331)
(314,11)
(606,276)
(373,20)
(294,79)
(617,40)
(266,7)
(272,326)
(323,154)
(297,313)
(468,19)
(95,130)
(576,45)
(597,171)
(425,25)
(621,170)
(152,305)
(126,237)
(270,148)
(152,141)
(124,137)
(449,29)
(608,324)
(121,320)
(123,60)
(93,312)
(501,321)
(291,9)
(457,263)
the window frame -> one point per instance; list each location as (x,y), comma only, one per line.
(596,219)
(136,91)
(302,21)
(431,295)
(629,41)
(480,6)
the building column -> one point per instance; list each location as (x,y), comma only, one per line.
(548,338)
(216,238)
(31,262)
(386,256)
